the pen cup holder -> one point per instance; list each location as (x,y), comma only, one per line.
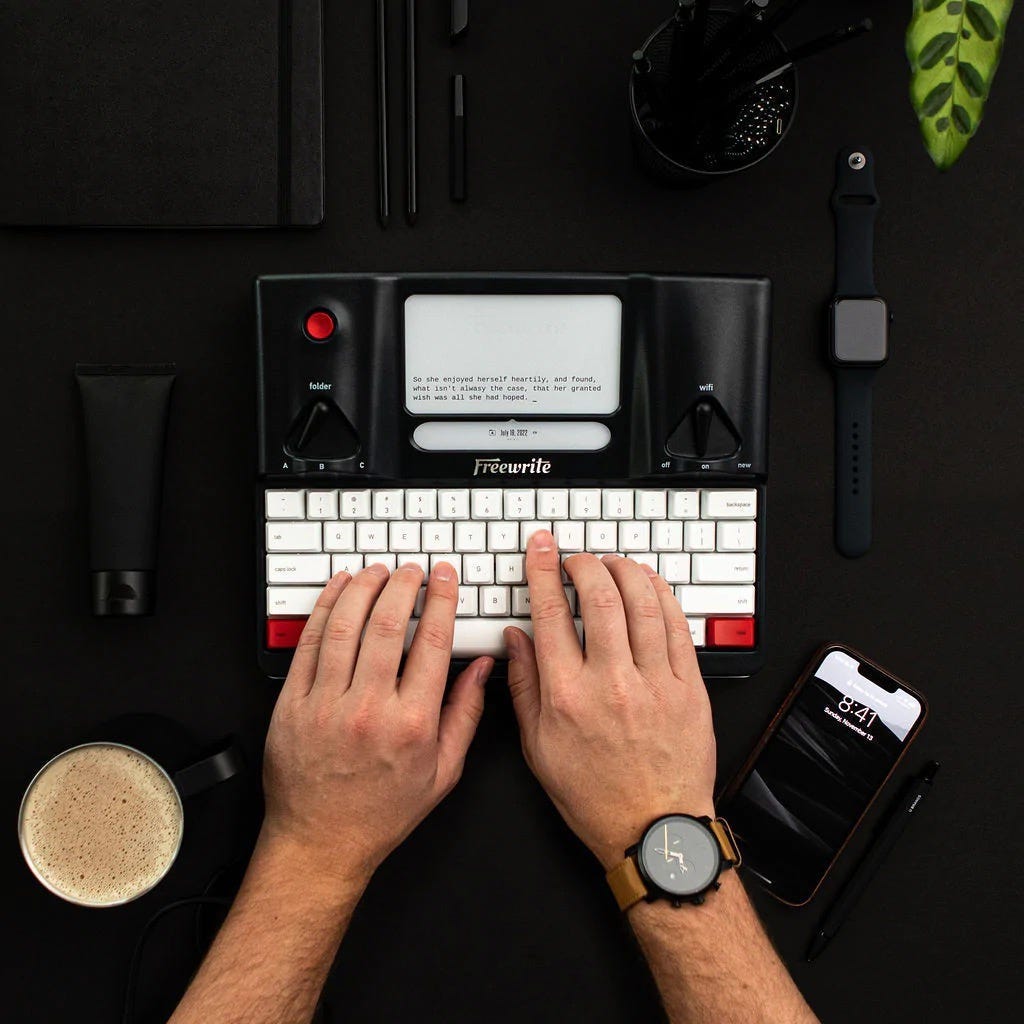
(714,131)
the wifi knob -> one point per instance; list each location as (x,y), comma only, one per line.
(704,433)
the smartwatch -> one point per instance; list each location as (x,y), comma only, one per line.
(858,344)
(679,859)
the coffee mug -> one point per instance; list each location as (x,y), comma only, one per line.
(101,823)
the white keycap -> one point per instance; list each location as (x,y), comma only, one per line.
(509,569)
(699,536)
(602,537)
(553,504)
(697,631)
(371,536)
(438,537)
(298,568)
(585,503)
(404,537)
(570,597)
(644,558)
(421,601)
(467,601)
(521,601)
(503,536)
(478,568)
(455,561)
(294,537)
(421,504)
(651,505)
(495,601)
(738,536)
(683,504)
(355,504)
(634,537)
(570,536)
(527,530)
(732,568)
(286,504)
(617,504)
(520,504)
(470,537)
(474,637)
(388,504)
(728,504)
(346,563)
(487,504)
(388,560)
(453,504)
(291,600)
(423,561)
(321,504)
(667,536)
(674,568)
(339,536)
(705,600)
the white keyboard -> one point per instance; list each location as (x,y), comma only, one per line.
(702,541)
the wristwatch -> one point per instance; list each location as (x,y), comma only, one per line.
(858,344)
(679,859)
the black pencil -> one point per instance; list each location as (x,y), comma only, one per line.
(383,179)
(411,169)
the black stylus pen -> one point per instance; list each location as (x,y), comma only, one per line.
(906,806)
(411,168)
(383,182)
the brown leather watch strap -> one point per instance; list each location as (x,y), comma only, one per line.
(626,884)
(727,841)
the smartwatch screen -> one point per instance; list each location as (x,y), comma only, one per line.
(860,331)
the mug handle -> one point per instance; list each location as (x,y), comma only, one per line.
(207,773)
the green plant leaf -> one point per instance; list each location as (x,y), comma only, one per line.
(954,49)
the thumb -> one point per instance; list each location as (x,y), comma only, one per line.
(459,719)
(523,680)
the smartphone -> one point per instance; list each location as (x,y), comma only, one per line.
(819,766)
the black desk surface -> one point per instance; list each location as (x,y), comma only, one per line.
(492,911)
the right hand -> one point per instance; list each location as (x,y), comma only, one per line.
(621,734)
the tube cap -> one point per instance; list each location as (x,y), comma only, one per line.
(123,592)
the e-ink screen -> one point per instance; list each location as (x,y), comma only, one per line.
(818,773)
(512,355)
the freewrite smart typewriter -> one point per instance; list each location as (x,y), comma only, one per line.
(446,417)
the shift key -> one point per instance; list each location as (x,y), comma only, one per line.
(709,600)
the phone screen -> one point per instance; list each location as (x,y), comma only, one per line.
(820,769)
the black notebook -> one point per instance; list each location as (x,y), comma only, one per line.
(162,113)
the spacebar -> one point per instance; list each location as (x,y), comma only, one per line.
(475,637)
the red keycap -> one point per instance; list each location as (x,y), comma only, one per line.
(730,632)
(283,634)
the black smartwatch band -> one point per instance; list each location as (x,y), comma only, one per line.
(853,460)
(855,204)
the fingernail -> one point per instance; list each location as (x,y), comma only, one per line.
(543,540)
(410,567)
(512,643)
(377,569)
(340,577)
(483,671)
(443,572)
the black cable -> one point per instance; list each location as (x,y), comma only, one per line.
(140,945)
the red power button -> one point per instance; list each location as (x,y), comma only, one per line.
(320,325)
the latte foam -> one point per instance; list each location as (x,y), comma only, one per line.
(101,824)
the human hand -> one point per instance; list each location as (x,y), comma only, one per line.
(621,734)
(356,757)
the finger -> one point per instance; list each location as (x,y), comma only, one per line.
(604,620)
(645,620)
(430,655)
(555,636)
(682,657)
(459,720)
(380,654)
(523,682)
(344,628)
(302,674)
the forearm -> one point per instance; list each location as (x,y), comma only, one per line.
(270,958)
(714,963)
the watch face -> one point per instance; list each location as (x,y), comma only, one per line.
(679,855)
(860,331)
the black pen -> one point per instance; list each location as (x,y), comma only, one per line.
(383,183)
(411,169)
(904,808)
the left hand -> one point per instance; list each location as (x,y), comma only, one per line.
(357,756)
